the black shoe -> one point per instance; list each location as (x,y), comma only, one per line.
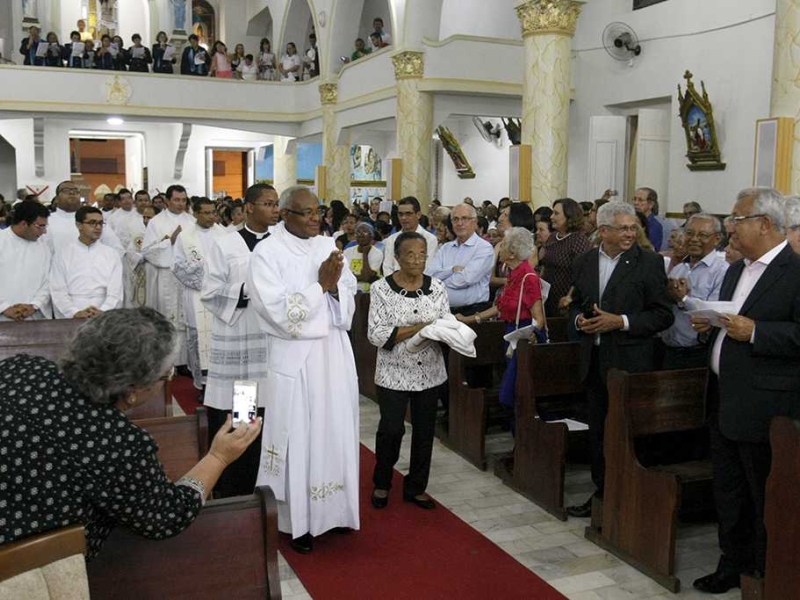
(304,544)
(342,530)
(183,371)
(379,502)
(424,502)
(718,582)
(581,510)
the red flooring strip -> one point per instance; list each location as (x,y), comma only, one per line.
(405,552)
(185,394)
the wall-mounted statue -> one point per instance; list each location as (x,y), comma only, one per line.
(697,117)
(179,14)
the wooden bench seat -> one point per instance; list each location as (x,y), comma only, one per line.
(182,441)
(640,504)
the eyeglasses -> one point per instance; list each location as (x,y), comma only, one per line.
(702,236)
(622,228)
(267,204)
(94,223)
(736,219)
(415,258)
(306,214)
(462,219)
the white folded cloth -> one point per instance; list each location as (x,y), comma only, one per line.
(448,330)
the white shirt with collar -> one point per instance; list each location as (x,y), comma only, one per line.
(606,266)
(752,272)
(390,262)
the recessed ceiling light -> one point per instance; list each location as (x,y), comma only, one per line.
(114,121)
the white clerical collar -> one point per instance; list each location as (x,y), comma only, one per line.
(255,233)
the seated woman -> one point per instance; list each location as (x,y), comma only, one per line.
(401,305)
(73,455)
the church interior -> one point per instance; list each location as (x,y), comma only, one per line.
(530,101)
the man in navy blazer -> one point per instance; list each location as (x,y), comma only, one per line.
(620,303)
(754,376)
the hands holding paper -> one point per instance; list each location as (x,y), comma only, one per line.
(737,327)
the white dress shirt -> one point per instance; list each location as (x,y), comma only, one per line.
(751,273)
(390,262)
(84,276)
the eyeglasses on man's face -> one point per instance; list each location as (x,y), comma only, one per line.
(736,219)
(622,228)
(462,219)
(703,236)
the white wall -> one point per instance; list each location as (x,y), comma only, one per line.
(134,17)
(726,44)
(478,17)
(8,170)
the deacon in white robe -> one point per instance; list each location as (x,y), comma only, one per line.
(164,291)
(126,211)
(131,233)
(25,265)
(61,229)
(86,276)
(238,346)
(304,293)
(191,248)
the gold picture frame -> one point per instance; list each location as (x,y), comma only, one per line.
(697,118)
(453,149)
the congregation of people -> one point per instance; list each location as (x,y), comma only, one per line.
(110,53)
(264,289)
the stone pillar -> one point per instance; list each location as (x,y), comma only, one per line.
(785,75)
(284,156)
(547,30)
(414,126)
(335,157)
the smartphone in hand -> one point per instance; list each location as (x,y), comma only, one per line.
(245,400)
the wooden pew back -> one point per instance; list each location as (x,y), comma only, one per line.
(366,354)
(182,441)
(229,551)
(38,551)
(557,329)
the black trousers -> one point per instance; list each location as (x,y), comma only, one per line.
(597,397)
(390,434)
(683,357)
(740,481)
(239,478)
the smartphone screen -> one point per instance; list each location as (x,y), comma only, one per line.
(245,394)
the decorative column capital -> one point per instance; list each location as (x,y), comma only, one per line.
(539,17)
(408,64)
(328,93)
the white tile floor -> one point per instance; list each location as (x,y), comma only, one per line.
(556,551)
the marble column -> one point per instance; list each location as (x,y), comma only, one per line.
(414,126)
(335,156)
(285,160)
(547,30)
(786,76)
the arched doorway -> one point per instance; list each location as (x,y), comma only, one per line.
(204,21)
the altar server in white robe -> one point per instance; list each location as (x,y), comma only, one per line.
(86,277)
(238,346)
(127,210)
(164,291)
(61,225)
(305,296)
(191,248)
(25,265)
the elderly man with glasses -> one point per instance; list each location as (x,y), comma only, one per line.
(792,216)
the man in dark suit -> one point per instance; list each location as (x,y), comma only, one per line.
(754,376)
(620,303)
(194,60)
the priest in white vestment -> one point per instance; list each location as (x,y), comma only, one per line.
(86,277)
(164,291)
(25,265)
(238,346)
(61,225)
(126,211)
(191,248)
(305,295)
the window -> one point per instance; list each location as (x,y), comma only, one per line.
(637,4)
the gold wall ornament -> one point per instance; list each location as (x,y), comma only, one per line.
(328,93)
(549,16)
(408,64)
(453,148)
(118,90)
(697,117)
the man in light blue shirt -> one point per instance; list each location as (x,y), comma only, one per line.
(698,277)
(465,264)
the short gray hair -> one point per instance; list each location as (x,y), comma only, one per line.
(715,222)
(791,211)
(288,195)
(609,211)
(766,201)
(519,242)
(472,212)
(118,351)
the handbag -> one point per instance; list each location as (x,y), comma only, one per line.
(524,333)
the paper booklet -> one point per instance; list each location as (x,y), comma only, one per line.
(169,53)
(41,49)
(712,311)
(78,49)
(200,58)
(137,52)
(523,333)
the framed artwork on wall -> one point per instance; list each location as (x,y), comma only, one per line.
(772,157)
(697,117)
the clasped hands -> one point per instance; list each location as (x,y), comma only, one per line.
(603,322)
(87,313)
(19,312)
(738,327)
(330,271)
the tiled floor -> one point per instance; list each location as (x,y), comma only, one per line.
(556,551)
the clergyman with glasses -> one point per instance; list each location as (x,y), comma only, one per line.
(619,304)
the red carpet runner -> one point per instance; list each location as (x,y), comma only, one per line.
(185,394)
(405,552)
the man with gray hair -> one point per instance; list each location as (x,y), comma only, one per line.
(753,377)
(304,292)
(792,217)
(619,304)
(698,277)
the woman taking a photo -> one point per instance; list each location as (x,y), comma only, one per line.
(401,305)
(73,454)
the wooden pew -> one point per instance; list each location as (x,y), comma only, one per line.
(557,329)
(182,441)
(230,551)
(48,338)
(469,406)
(548,384)
(640,504)
(366,354)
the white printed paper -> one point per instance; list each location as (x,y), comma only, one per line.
(713,311)
(137,52)
(78,49)
(169,53)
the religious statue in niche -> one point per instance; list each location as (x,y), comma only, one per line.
(697,117)
(179,14)
(30,10)
(453,148)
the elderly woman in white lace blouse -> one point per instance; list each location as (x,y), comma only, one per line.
(400,306)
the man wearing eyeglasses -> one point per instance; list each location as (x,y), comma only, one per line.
(753,377)
(698,277)
(618,305)
(86,279)
(25,265)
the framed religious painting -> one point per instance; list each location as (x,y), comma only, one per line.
(456,154)
(697,117)
(772,158)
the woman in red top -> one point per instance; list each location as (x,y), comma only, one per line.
(518,301)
